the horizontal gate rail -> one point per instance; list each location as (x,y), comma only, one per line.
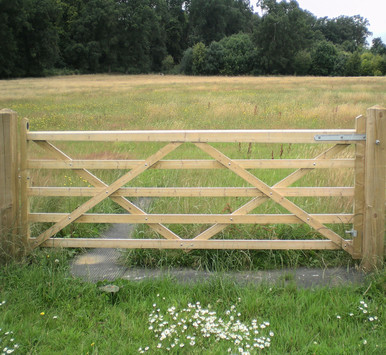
(193,164)
(368,193)
(220,136)
(187,244)
(193,218)
(192,191)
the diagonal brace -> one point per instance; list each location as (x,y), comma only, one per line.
(96,182)
(257,201)
(273,194)
(105,193)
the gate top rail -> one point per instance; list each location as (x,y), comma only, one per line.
(203,136)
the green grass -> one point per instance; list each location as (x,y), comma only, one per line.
(49,312)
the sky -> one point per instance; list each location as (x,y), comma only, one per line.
(373,10)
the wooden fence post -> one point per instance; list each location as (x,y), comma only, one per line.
(9,191)
(375,171)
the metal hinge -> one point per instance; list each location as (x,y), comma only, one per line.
(353,232)
(340,137)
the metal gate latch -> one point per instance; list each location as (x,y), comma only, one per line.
(353,232)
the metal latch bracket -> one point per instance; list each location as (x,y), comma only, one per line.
(353,232)
(340,137)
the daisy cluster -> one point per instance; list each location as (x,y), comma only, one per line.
(365,314)
(190,326)
(7,341)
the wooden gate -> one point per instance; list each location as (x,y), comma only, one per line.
(364,240)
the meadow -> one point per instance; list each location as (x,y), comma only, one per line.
(44,310)
(117,102)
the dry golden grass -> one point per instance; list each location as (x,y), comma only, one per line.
(116,102)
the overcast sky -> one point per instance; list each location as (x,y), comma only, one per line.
(373,10)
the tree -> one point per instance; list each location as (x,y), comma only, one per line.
(283,30)
(212,20)
(89,34)
(378,47)
(340,66)
(215,55)
(371,64)
(324,57)
(353,64)
(11,19)
(141,36)
(239,53)
(186,66)
(349,31)
(167,63)
(175,22)
(28,37)
(302,62)
(199,57)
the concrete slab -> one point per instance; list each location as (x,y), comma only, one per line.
(103,264)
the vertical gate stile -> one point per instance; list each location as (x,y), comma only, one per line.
(359,198)
(25,183)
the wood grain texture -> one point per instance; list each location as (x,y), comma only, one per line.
(375,171)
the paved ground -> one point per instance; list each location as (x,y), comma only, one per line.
(102,264)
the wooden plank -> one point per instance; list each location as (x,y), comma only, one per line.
(375,171)
(104,194)
(192,191)
(274,195)
(9,184)
(359,196)
(24,184)
(257,201)
(253,136)
(193,164)
(192,218)
(93,180)
(187,244)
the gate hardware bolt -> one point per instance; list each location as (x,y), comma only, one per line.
(377,142)
(353,232)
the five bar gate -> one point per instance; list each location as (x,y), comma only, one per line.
(365,240)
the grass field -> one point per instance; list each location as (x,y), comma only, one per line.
(108,102)
(43,310)
(177,102)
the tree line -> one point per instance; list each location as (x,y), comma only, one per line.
(196,37)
